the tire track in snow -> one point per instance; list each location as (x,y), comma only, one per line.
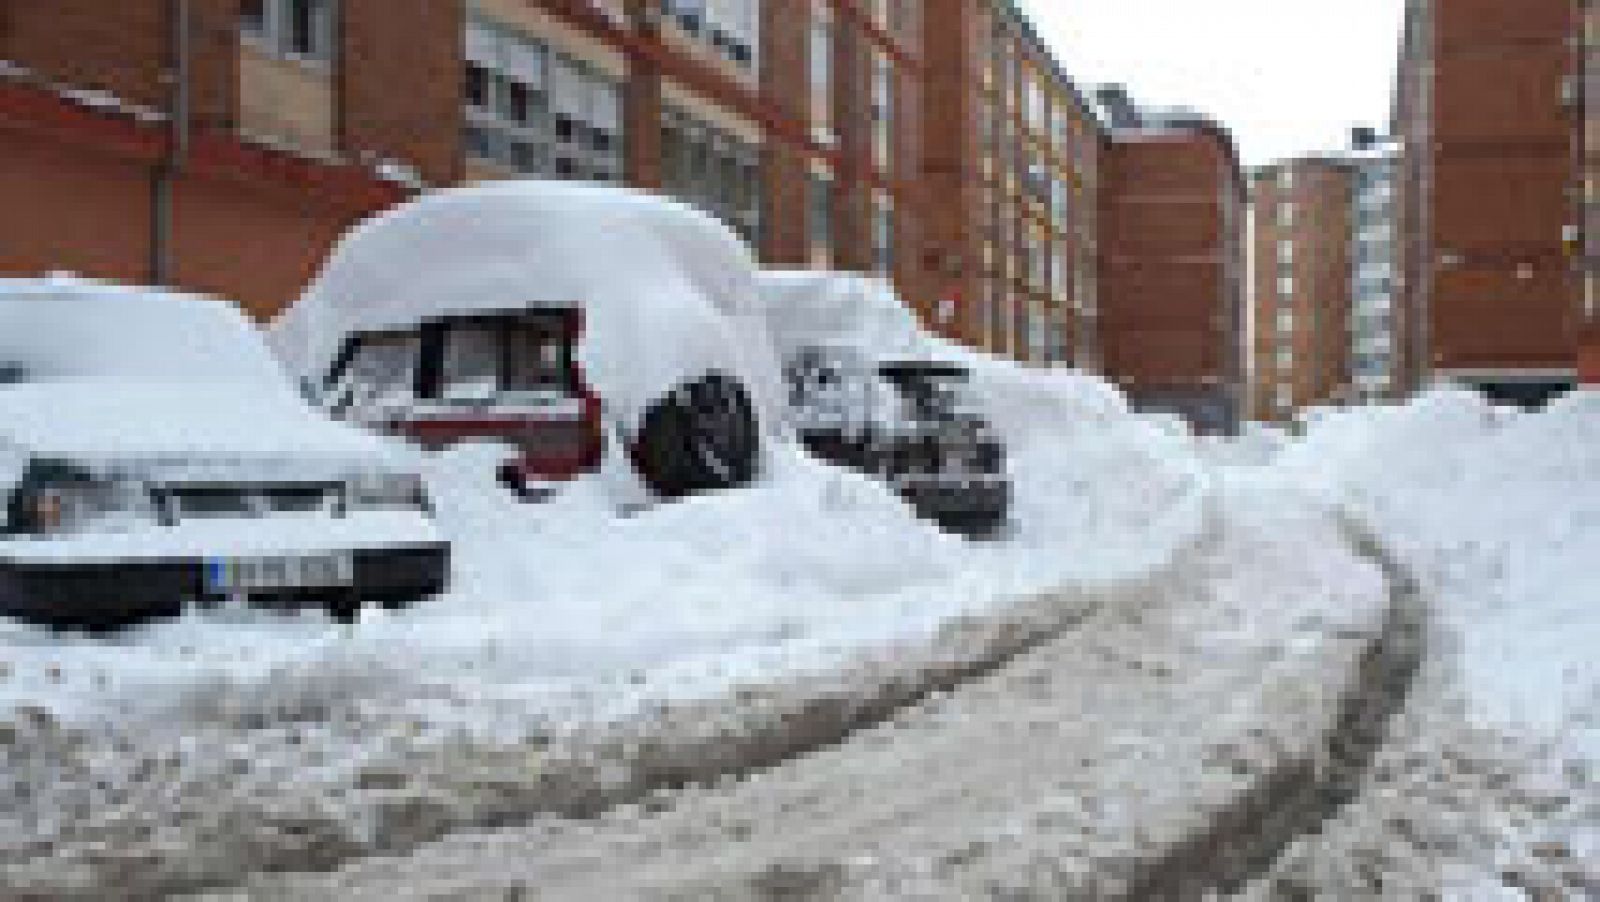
(592,771)
(1242,843)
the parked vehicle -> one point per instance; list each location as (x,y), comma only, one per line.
(553,317)
(867,389)
(153,454)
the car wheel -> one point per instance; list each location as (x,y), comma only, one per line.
(702,437)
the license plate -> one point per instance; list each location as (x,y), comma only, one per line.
(226,576)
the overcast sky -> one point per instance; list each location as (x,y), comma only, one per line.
(1287,76)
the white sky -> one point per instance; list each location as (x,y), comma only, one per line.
(1287,76)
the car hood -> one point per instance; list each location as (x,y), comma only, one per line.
(181,431)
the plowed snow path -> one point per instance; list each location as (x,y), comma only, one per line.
(1063,775)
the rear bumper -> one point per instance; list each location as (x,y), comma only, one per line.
(117,593)
(973,508)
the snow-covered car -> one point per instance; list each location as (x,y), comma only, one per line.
(868,389)
(561,319)
(154,454)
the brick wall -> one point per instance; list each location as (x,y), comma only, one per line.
(1166,317)
(400,83)
(1484,244)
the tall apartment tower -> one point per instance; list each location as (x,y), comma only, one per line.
(1327,329)
(223,145)
(1011,160)
(1377,321)
(1489,107)
(1172,266)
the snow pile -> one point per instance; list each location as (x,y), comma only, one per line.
(228,740)
(1499,513)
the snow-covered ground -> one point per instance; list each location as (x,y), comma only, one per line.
(1498,512)
(131,752)
(1490,788)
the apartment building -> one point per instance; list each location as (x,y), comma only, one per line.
(1172,265)
(1489,107)
(1326,326)
(223,145)
(1377,322)
(1011,154)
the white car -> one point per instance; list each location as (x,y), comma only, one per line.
(153,454)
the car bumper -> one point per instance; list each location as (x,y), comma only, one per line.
(973,508)
(119,593)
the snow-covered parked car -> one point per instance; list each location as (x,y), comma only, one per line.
(562,319)
(868,389)
(154,454)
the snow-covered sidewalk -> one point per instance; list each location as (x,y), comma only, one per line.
(1061,776)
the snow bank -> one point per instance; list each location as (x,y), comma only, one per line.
(666,290)
(1498,511)
(233,738)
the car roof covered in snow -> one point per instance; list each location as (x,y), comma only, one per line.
(95,372)
(807,309)
(666,290)
(65,329)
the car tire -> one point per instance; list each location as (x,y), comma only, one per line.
(703,437)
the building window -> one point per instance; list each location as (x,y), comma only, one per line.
(296,29)
(883,237)
(730,28)
(714,170)
(820,215)
(537,111)
(883,113)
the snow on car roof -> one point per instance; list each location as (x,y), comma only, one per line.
(835,309)
(64,329)
(96,373)
(667,291)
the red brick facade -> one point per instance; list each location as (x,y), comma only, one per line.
(1490,105)
(1171,291)
(1303,287)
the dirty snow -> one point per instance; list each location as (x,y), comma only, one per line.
(1499,513)
(1490,788)
(1057,777)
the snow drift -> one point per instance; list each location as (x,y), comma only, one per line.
(1498,511)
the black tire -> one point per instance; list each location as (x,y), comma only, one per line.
(703,437)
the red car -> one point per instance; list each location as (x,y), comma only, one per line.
(511,377)
(558,318)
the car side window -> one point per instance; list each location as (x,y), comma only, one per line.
(380,374)
(12,373)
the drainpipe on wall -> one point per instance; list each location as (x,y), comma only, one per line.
(165,177)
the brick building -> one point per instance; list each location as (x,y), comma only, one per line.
(1327,329)
(1172,267)
(1489,108)
(1012,158)
(222,145)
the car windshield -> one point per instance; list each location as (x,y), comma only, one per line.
(934,391)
